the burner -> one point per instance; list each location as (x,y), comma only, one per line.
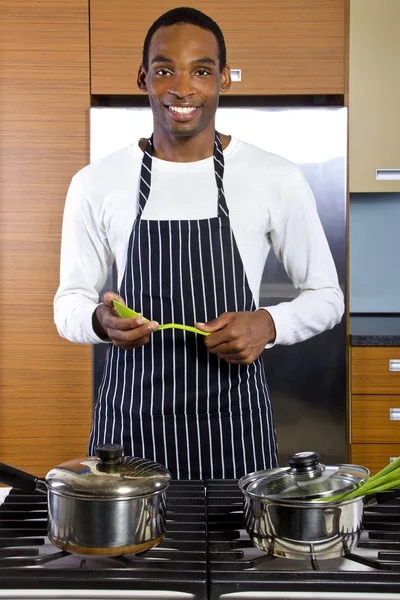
(178,564)
(235,565)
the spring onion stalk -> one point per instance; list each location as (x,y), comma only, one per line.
(393,466)
(386,479)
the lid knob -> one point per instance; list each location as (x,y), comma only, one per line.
(109,452)
(304,462)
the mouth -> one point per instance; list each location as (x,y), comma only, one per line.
(182,113)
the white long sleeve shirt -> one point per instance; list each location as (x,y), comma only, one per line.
(271,206)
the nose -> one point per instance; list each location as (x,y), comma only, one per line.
(181,86)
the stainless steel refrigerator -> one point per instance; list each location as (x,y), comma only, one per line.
(307,381)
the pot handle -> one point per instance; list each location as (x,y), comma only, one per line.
(21,480)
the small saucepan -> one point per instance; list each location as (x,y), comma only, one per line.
(106,505)
(283,518)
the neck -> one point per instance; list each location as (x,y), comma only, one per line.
(184,149)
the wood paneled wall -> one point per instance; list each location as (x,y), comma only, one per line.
(45,382)
(281,46)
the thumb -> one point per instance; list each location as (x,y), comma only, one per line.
(215,324)
(110,296)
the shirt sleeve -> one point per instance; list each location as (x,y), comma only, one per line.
(299,241)
(84,263)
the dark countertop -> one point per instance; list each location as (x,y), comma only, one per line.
(375,330)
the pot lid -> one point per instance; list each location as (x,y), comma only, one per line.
(305,479)
(109,475)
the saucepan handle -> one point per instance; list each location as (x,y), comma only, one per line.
(21,480)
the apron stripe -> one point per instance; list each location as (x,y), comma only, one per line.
(113,420)
(194,363)
(216,250)
(235,295)
(261,424)
(171,400)
(185,319)
(152,347)
(173,383)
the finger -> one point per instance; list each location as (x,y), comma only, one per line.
(110,296)
(133,333)
(131,339)
(127,324)
(219,341)
(225,340)
(216,324)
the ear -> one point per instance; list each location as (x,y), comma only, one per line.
(141,79)
(226,80)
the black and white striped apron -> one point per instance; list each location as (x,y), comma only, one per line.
(171,400)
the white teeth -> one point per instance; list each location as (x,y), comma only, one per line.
(183,109)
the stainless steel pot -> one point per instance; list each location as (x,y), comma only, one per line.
(105,505)
(283,519)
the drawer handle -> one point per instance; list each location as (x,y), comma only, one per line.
(236,74)
(394,414)
(387,174)
(394,364)
(393,458)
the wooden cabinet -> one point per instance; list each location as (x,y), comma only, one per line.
(45,382)
(374,95)
(374,456)
(375,370)
(375,419)
(280,46)
(375,406)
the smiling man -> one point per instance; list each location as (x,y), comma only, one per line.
(189,216)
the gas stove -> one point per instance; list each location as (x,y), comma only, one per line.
(206,554)
(238,570)
(31,567)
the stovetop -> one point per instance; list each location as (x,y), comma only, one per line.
(177,566)
(235,565)
(206,554)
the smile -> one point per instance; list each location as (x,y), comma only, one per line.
(182,113)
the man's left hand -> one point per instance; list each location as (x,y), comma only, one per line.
(239,337)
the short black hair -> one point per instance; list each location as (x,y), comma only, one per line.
(185,15)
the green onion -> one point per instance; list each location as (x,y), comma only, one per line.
(387,479)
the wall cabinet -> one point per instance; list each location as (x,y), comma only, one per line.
(280,46)
(375,406)
(374,96)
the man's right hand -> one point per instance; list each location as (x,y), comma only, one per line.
(123,333)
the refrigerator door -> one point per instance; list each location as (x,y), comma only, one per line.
(307,381)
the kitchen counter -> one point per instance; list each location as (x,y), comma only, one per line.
(375,330)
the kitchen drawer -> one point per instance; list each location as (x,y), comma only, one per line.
(373,456)
(375,419)
(371,370)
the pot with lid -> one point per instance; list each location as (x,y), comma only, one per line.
(106,504)
(284,517)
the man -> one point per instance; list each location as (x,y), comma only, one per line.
(189,217)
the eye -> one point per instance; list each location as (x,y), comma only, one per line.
(202,72)
(163,72)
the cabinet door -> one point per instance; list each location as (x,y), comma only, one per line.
(374,96)
(280,46)
(375,370)
(374,456)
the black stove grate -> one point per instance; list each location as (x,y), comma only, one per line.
(178,564)
(230,571)
(206,552)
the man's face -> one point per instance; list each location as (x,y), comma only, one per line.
(183,80)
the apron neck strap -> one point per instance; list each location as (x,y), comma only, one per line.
(219,165)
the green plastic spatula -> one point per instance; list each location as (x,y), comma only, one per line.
(128,313)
